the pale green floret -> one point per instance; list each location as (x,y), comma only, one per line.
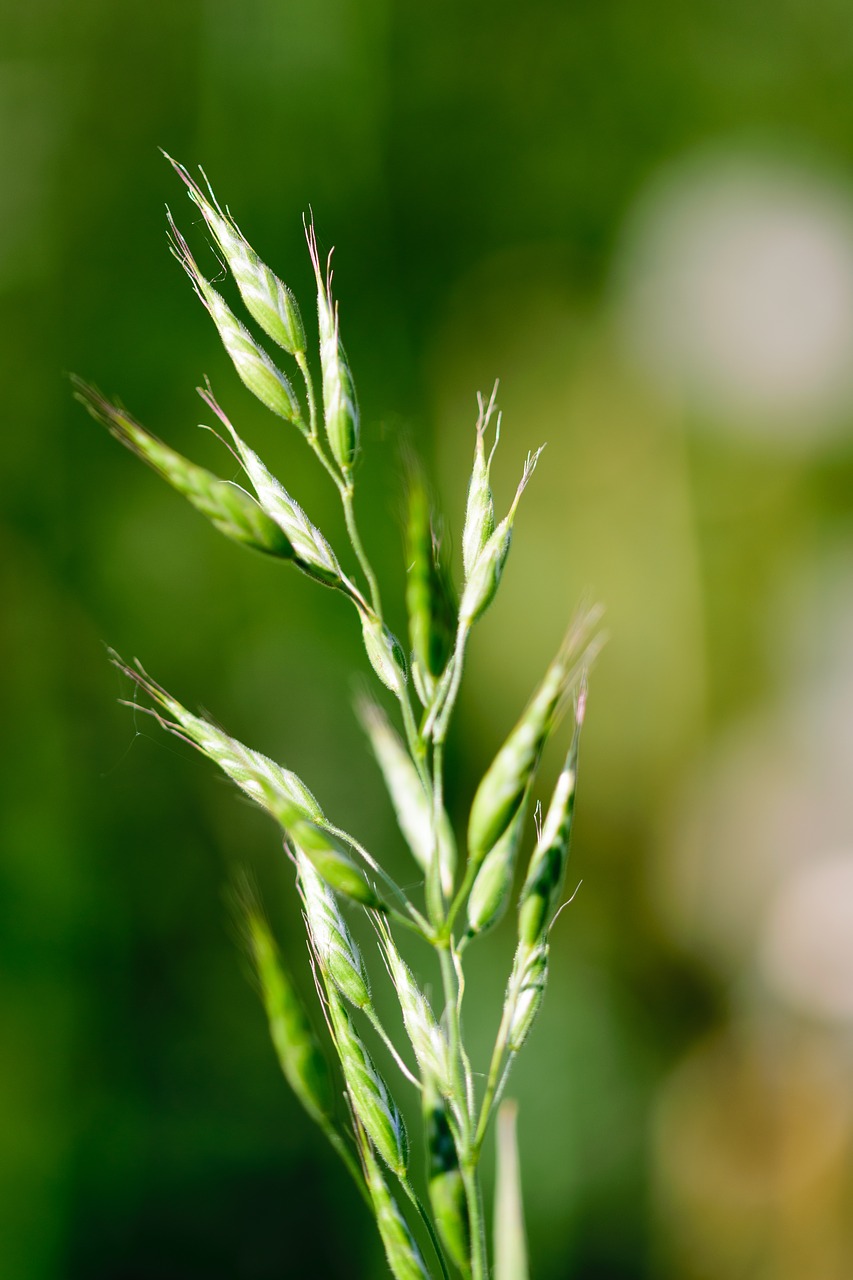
(427,1039)
(404,1257)
(545,875)
(267,298)
(334,945)
(525,993)
(312,552)
(228,507)
(501,792)
(492,889)
(254,367)
(480,507)
(340,407)
(371,1098)
(384,652)
(487,569)
(411,803)
(296,1046)
(446,1187)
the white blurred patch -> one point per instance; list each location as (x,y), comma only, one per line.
(735,294)
(806,951)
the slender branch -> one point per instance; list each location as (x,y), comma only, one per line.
(427,1221)
(358,546)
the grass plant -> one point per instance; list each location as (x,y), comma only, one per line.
(430,1224)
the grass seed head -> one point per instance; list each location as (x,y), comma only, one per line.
(446,1187)
(228,507)
(296,1046)
(546,872)
(487,569)
(340,407)
(267,298)
(526,992)
(311,550)
(429,593)
(371,1098)
(408,797)
(334,946)
(404,1257)
(492,889)
(426,1037)
(384,651)
(480,507)
(254,367)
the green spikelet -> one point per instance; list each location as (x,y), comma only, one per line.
(229,509)
(296,1046)
(325,855)
(429,593)
(333,944)
(545,875)
(371,1098)
(525,992)
(446,1187)
(384,651)
(404,1257)
(254,367)
(267,299)
(487,570)
(340,407)
(492,889)
(502,790)
(480,507)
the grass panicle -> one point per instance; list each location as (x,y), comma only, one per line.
(447,905)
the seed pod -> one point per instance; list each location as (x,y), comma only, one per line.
(526,991)
(487,570)
(410,801)
(371,1098)
(492,888)
(446,1188)
(427,1038)
(267,299)
(257,775)
(429,592)
(547,868)
(229,508)
(383,651)
(311,551)
(299,1054)
(340,408)
(337,951)
(501,791)
(255,368)
(480,507)
(404,1257)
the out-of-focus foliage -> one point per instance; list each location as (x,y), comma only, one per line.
(501,182)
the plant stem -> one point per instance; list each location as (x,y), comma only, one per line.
(358,546)
(479,1256)
(427,1221)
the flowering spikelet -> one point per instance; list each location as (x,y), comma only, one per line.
(427,1038)
(311,550)
(446,1187)
(267,299)
(296,1046)
(410,801)
(404,1257)
(333,944)
(340,408)
(525,992)
(480,507)
(255,368)
(546,872)
(229,508)
(487,569)
(371,1098)
(266,782)
(501,791)
(491,891)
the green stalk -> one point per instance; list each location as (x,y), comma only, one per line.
(479,1254)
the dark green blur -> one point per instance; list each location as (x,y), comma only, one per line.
(474,165)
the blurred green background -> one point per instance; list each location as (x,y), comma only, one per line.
(639,218)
